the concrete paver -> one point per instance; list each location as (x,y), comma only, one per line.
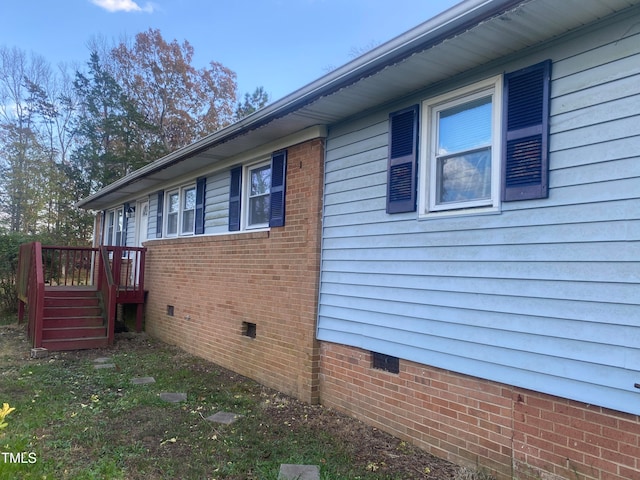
(226,418)
(299,472)
(173,397)
(143,380)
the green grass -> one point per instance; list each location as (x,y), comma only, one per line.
(6,319)
(83,423)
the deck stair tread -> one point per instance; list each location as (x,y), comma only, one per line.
(59,301)
(69,291)
(75,343)
(79,321)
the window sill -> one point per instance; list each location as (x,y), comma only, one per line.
(175,235)
(463,212)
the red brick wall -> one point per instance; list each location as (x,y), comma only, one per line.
(509,431)
(215,283)
(573,440)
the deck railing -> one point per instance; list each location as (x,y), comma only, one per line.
(108,288)
(127,267)
(116,272)
(30,289)
(68,266)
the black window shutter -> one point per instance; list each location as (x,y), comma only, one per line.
(403,160)
(278,188)
(235,193)
(525,169)
(159,214)
(201,185)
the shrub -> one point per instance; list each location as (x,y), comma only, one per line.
(9,252)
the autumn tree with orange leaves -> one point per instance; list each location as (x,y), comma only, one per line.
(183,102)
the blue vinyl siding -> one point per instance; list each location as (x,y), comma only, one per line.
(216,216)
(131,231)
(544,295)
(153,219)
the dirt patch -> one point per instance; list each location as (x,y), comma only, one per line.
(15,349)
(376,449)
(14,353)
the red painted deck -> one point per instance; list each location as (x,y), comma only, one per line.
(71,293)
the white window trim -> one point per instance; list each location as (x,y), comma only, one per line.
(183,210)
(167,197)
(246,191)
(426,181)
(167,215)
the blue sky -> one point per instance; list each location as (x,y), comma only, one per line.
(281,45)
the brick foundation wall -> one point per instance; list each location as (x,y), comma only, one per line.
(573,440)
(514,433)
(270,279)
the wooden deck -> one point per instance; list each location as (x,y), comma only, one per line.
(71,293)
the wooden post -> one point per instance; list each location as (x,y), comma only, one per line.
(139,316)
(20,311)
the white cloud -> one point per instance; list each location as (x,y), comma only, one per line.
(123,6)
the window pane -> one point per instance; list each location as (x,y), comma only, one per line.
(172,223)
(174,202)
(189,199)
(188,218)
(465,127)
(120,221)
(464,177)
(259,210)
(260,180)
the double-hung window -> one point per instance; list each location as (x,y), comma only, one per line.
(180,208)
(173,212)
(258,196)
(114,227)
(188,210)
(462,154)
(181,211)
(475,147)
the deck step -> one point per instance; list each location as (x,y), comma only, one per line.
(77,301)
(75,343)
(69,291)
(68,322)
(72,311)
(73,333)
